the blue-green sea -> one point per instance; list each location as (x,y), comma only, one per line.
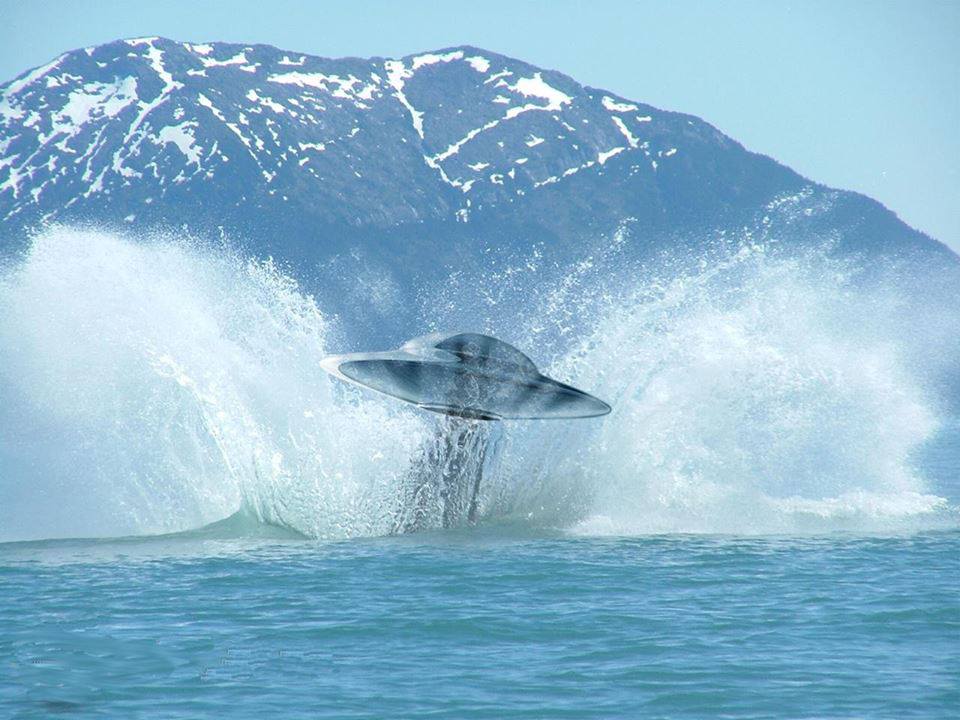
(482,623)
(197,521)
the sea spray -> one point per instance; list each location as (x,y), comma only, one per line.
(445,485)
(759,392)
(158,384)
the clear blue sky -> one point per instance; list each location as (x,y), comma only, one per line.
(862,95)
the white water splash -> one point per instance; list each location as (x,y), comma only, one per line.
(159,385)
(755,395)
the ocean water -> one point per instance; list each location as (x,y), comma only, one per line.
(490,622)
(195,520)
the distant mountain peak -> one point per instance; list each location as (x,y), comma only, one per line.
(486,126)
(155,131)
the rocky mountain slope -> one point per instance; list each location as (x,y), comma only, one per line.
(373,179)
(312,152)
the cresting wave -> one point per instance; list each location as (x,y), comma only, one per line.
(159,385)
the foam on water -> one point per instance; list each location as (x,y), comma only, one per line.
(156,385)
(758,393)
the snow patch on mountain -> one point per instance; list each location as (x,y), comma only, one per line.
(266,102)
(480,64)
(183,138)
(604,156)
(94,100)
(625,131)
(338,87)
(299,124)
(397,75)
(17,86)
(239,59)
(613,106)
(536,87)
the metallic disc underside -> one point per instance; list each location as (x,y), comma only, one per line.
(466,375)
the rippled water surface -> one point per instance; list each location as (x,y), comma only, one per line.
(766,524)
(489,622)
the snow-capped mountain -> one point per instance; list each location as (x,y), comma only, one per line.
(305,153)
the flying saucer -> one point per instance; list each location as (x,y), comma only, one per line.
(465,375)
